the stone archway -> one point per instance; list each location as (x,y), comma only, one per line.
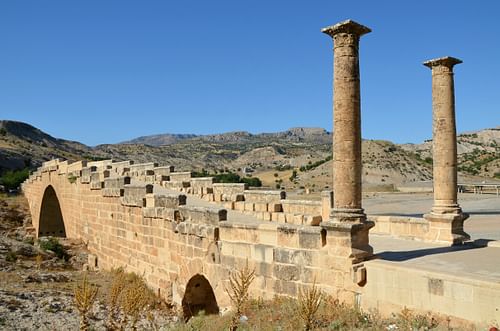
(199,296)
(51,221)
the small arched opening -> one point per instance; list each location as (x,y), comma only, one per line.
(51,221)
(199,296)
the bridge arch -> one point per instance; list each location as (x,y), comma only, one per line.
(51,222)
(199,296)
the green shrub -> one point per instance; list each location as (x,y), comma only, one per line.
(13,178)
(52,244)
(252,181)
(3,132)
(11,256)
(72,179)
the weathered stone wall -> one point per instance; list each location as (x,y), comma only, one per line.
(182,249)
(125,224)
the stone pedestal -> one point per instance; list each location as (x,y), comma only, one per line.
(347,227)
(446,217)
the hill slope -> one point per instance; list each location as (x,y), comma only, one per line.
(270,156)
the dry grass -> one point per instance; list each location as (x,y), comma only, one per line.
(85,295)
(309,302)
(130,298)
(239,284)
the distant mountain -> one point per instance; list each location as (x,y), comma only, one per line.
(318,135)
(270,156)
(160,139)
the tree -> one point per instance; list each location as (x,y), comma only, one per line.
(13,178)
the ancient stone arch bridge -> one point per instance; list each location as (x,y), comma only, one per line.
(186,235)
(178,230)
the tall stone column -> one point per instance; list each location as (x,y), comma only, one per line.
(347,215)
(446,216)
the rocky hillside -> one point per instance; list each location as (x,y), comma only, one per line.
(160,139)
(299,157)
(22,145)
(478,152)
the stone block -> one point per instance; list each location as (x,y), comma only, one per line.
(259,196)
(262,253)
(180,176)
(85,174)
(163,171)
(116,182)
(278,217)
(274,207)
(313,220)
(228,191)
(249,206)
(134,195)
(310,238)
(239,205)
(112,192)
(260,206)
(209,215)
(165,200)
(285,287)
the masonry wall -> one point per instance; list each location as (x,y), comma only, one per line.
(126,225)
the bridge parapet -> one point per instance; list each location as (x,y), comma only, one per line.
(134,194)
(201,186)
(115,187)
(119,168)
(139,170)
(97,179)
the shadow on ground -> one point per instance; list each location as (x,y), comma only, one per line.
(400,256)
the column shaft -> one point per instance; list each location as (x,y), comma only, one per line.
(444,138)
(446,218)
(346,124)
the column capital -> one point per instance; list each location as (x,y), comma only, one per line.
(348,26)
(446,61)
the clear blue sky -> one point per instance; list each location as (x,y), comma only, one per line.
(108,71)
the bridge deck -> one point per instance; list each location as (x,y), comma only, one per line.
(474,260)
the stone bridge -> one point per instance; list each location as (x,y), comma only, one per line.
(186,235)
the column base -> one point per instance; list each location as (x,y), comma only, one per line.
(347,234)
(447,225)
(347,215)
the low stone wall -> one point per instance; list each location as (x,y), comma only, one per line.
(391,287)
(400,226)
(412,228)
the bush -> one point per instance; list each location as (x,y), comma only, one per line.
(3,132)
(202,173)
(13,178)
(11,257)
(52,244)
(230,177)
(252,181)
